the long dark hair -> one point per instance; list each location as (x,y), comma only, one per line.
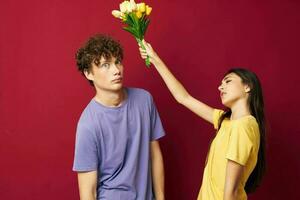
(256,105)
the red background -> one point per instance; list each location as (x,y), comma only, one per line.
(42,94)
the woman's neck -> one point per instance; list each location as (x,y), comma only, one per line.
(239,109)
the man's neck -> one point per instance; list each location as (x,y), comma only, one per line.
(111,98)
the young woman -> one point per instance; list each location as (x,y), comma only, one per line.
(236,159)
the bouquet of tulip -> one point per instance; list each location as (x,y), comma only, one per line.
(135,16)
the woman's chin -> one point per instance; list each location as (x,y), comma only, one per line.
(226,103)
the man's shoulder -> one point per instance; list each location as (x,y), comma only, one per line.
(138,90)
(139,93)
(87,114)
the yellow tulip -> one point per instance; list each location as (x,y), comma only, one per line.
(141,7)
(124,18)
(125,7)
(133,5)
(148,10)
(129,8)
(138,14)
(117,14)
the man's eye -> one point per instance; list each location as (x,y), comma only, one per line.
(118,62)
(228,81)
(105,65)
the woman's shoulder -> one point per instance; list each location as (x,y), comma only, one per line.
(246,121)
(247,126)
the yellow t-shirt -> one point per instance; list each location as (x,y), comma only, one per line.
(237,140)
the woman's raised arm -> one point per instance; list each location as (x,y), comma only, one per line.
(176,88)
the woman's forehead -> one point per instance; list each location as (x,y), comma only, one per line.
(230,75)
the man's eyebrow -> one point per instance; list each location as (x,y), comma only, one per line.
(105,61)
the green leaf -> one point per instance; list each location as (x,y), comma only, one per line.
(129,21)
(136,26)
(130,30)
(145,25)
(134,19)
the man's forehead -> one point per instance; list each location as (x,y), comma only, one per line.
(107,59)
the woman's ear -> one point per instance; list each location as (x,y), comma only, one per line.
(88,75)
(247,88)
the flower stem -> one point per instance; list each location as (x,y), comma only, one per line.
(147,61)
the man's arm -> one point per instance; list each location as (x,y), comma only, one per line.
(158,177)
(87,182)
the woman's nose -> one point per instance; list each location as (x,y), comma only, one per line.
(220,88)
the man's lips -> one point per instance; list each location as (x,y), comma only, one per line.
(117,80)
(222,94)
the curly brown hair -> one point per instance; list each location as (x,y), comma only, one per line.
(96,47)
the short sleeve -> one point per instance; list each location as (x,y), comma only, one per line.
(216,116)
(157,130)
(240,144)
(86,157)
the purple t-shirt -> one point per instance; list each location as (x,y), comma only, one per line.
(115,141)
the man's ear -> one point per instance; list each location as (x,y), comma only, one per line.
(88,75)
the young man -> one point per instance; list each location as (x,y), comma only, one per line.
(117,155)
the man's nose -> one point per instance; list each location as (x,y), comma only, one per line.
(116,69)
